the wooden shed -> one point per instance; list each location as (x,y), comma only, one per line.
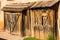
(32,19)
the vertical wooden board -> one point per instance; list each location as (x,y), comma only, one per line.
(52,17)
(27,32)
(6,22)
(27,23)
(32,23)
(36,24)
(19,24)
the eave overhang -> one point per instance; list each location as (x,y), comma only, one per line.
(23,6)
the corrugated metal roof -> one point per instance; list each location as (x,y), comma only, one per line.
(22,6)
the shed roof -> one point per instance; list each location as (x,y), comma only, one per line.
(23,6)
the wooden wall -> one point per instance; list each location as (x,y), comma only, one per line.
(32,23)
(39,27)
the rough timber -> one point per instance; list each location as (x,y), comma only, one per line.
(29,5)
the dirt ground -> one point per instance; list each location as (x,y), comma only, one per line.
(6,35)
